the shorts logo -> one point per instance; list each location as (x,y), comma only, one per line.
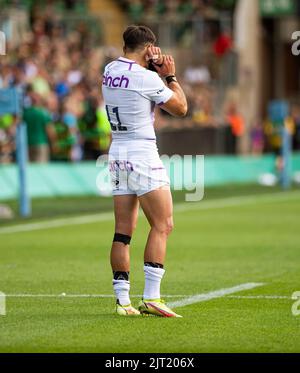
(120,166)
(148,171)
(118,81)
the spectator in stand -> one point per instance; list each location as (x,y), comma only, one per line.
(89,125)
(103,127)
(40,130)
(203,111)
(7,133)
(237,124)
(72,110)
(257,139)
(295,112)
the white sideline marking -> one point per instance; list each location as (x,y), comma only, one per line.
(259,296)
(180,303)
(139,296)
(179,207)
(214,294)
(236,201)
(83,296)
(57,223)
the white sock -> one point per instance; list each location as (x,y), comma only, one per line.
(153,278)
(121,288)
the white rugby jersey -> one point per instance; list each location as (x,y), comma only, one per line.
(130,93)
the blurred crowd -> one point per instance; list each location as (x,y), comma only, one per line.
(60,73)
(138,10)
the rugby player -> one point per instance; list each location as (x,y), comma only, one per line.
(132,86)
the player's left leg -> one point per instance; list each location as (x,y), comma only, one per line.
(126,214)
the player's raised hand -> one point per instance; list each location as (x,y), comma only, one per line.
(154,54)
(167,68)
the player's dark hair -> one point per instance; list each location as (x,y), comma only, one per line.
(136,37)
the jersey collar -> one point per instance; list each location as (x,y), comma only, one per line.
(123,59)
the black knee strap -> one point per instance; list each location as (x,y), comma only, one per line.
(119,237)
(120,275)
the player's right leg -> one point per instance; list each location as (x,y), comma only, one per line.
(158,208)
(126,214)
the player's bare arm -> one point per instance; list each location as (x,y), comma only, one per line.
(177,105)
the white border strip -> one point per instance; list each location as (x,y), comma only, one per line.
(214,294)
(179,207)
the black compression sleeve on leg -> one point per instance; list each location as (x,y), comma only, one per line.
(119,237)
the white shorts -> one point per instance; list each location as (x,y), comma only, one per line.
(135,167)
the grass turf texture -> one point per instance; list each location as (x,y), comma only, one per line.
(208,250)
(45,208)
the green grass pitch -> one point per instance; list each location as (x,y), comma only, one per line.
(211,248)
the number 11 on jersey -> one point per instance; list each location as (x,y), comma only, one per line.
(114,119)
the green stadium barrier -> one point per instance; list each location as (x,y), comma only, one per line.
(65,179)
(224,170)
